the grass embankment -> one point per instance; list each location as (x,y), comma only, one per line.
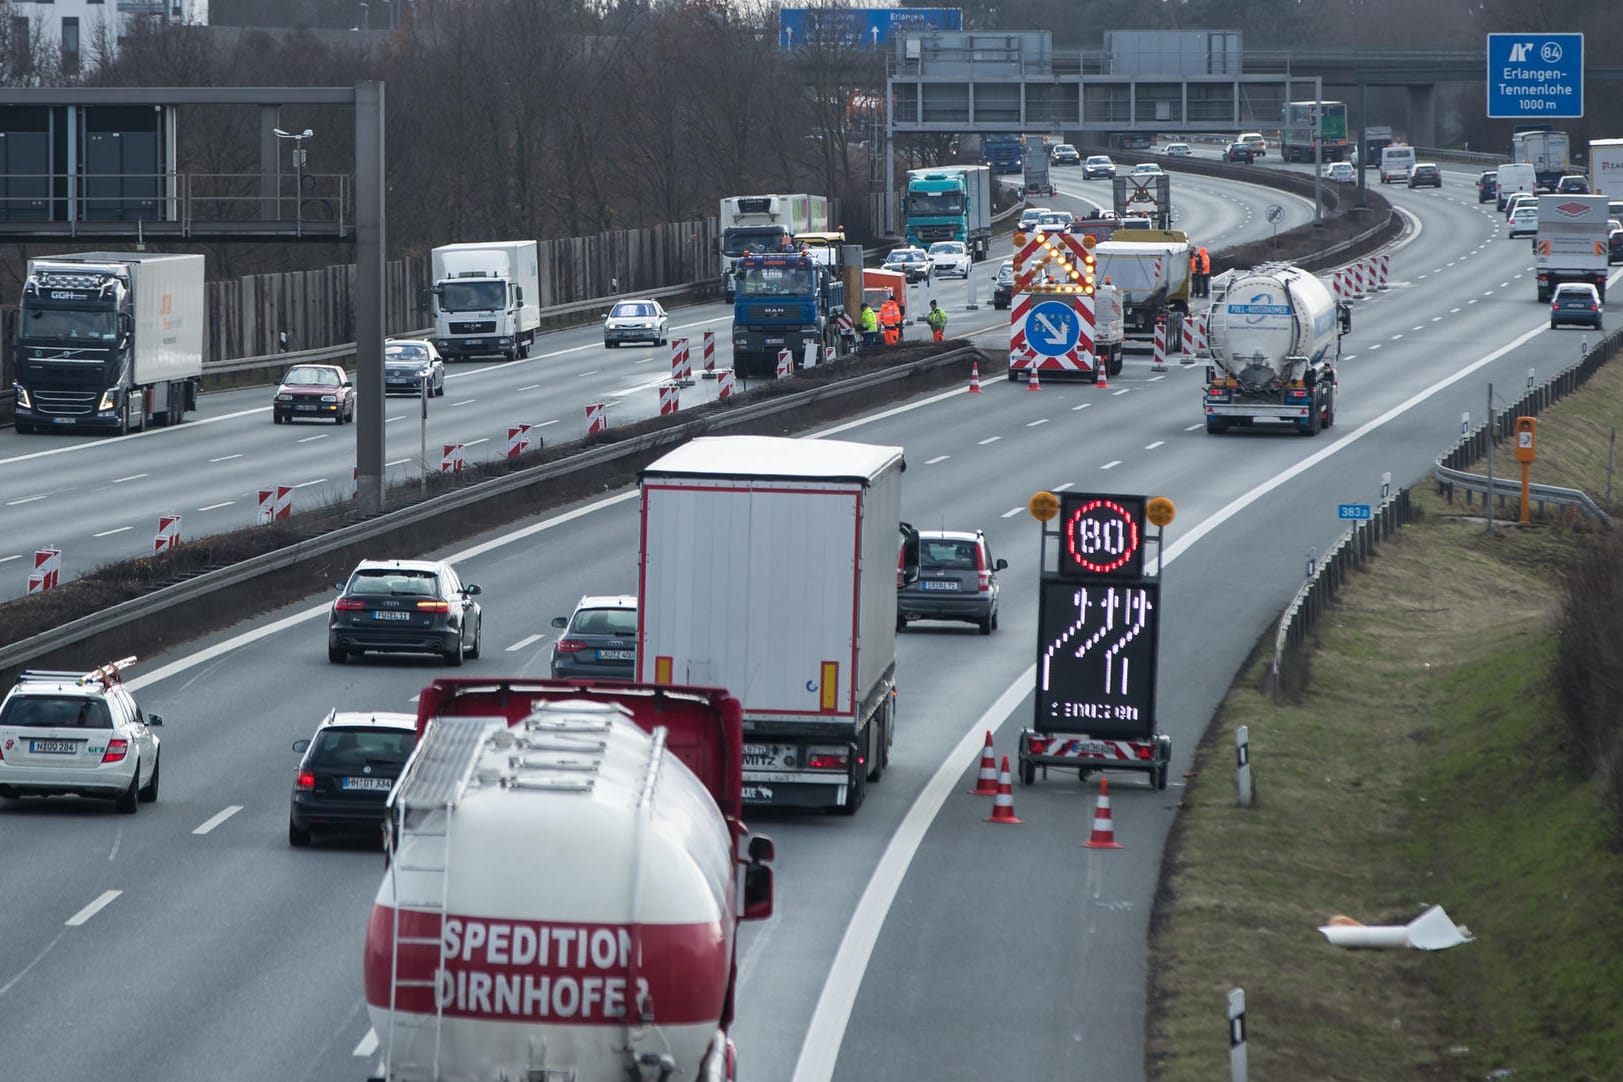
(1427,762)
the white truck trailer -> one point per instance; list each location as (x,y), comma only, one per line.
(1275,338)
(1606,168)
(769,567)
(486,298)
(109,341)
(1571,243)
(767,223)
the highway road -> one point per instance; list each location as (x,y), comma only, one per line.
(911,941)
(98,499)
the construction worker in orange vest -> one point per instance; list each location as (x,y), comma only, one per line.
(1194,273)
(890,318)
(1205,273)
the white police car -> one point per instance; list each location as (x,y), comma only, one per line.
(78,734)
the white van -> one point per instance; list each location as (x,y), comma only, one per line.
(1513,178)
(1396,164)
(1254,140)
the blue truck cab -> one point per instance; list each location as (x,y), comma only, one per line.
(783,301)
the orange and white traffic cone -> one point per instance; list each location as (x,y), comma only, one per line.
(974,377)
(1032,382)
(1003,803)
(1104,831)
(1102,373)
(986,782)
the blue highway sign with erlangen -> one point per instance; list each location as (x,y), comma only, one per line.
(1534,75)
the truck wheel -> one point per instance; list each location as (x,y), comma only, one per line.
(1116,362)
(1028,772)
(1330,408)
(876,747)
(1216,426)
(1160,776)
(1543,295)
(1314,417)
(855,791)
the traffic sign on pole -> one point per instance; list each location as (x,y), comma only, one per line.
(1353,511)
(1537,76)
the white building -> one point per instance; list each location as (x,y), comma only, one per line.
(75,25)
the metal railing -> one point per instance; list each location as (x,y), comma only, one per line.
(1325,579)
(188,200)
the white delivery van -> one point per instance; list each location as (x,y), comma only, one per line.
(1397,162)
(1518,177)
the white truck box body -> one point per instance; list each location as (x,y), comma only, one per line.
(1606,168)
(1139,268)
(1571,242)
(769,568)
(1548,152)
(515,261)
(166,292)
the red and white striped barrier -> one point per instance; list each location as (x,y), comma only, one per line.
(1186,347)
(47,570)
(681,364)
(710,352)
(168,535)
(669,398)
(828,354)
(451,459)
(846,324)
(518,440)
(1202,344)
(786,364)
(1361,278)
(724,383)
(275,504)
(1383,263)
(1160,362)
(597,418)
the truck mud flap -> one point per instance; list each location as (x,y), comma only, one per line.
(784,794)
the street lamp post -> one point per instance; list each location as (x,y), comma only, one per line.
(297,139)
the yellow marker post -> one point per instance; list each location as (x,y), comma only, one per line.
(1526,451)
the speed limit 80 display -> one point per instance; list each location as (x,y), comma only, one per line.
(1101,537)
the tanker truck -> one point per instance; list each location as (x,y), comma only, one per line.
(566,872)
(1275,337)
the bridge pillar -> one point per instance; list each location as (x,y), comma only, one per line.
(1423,115)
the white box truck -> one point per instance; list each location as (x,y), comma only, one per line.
(1571,244)
(109,341)
(486,298)
(1606,168)
(766,223)
(769,567)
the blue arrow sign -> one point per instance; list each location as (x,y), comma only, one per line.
(1053,328)
(1352,510)
(1536,76)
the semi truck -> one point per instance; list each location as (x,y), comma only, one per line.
(769,566)
(950,202)
(766,223)
(1296,131)
(1035,167)
(786,300)
(1143,196)
(1549,152)
(1152,273)
(567,869)
(1003,153)
(1571,244)
(486,298)
(1606,168)
(1275,338)
(108,341)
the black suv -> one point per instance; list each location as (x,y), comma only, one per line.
(349,767)
(1003,285)
(405,607)
(1425,175)
(957,581)
(1239,152)
(1487,186)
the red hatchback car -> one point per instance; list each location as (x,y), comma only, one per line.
(315,390)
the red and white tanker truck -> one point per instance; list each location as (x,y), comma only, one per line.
(567,870)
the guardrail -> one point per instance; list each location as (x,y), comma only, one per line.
(1325,578)
(129,616)
(1450,470)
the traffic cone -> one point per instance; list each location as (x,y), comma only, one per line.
(1032,382)
(1103,377)
(1104,832)
(974,377)
(986,783)
(1003,803)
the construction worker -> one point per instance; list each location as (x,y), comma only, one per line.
(1205,272)
(890,319)
(937,319)
(1194,273)
(868,324)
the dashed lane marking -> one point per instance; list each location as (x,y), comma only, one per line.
(215,820)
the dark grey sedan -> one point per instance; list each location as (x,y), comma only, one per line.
(599,640)
(408,363)
(957,581)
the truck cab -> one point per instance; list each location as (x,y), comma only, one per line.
(785,301)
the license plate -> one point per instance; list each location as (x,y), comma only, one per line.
(391,616)
(1091,747)
(771,757)
(54,747)
(617,655)
(372,784)
(61,420)
(304,407)
(474,342)
(946,584)
(774,341)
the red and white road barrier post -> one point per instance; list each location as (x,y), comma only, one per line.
(451,459)
(1160,362)
(597,418)
(786,364)
(168,535)
(709,354)
(1186,346)
(47,570)
(275,504)
(725,384)
(1383,263)
(518,440)
(669,398)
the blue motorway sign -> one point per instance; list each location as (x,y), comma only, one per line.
(1535,76)
(1352,510)
(859,26)
(1053,327)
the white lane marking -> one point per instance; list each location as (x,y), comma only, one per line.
(1118,394)
(1435,319)
(1083,406)
(1395,337)
(217,506)
(307,484)
(525,641)
(1062,488)
(225,458)
(1487,292)
(398,462)
(93,908)
(579,375)
(38,958)
(312,439)
(131,477)
(1153,446)
(544,424)
(1374,346)
(1191,428)
(109,533)
(392,420)
(989,439)
(369,1043)
(8,559)
(25,499)
(1011,512)
(531,387)
(1471,300)
(937,458)
(1039,421)
(215,820)
(826,1032)
(477,442)
(1155,379)
(465,402)
(1419,328)
(1111,465)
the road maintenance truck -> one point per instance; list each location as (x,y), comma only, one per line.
(1152,272)
(787,301)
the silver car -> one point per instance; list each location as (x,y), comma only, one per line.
(950,257)
(641,320)
(957,581)
(78,734)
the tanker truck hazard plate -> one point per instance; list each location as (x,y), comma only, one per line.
(1096,658)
